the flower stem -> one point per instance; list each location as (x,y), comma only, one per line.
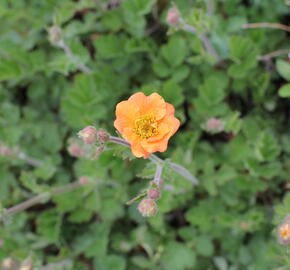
(70,54)
(266,25)
(157,178)
(271,55)
(31,161)
(204,39)
(39,198)
(159,162)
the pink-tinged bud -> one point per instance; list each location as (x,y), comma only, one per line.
(173,16)
(214,125)
(75,150)
(54,35)
(284,232)
(147,208)
(88,134)
(9,263)
(7,151)
(102,135)
(153,193)
(84,180)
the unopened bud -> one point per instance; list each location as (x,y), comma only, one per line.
(75,149)
(153,193)
(84,180)
(147,208)
(26,265)
(214,125)
(88,134)
(284,231)
(6,150)
(173,16)
(54,34)
(102,135)
(9,263)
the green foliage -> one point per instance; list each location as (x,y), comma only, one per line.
(229,220)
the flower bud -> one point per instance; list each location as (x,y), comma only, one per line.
(214,125)
(173,16)
(102,135)
(88,134)
(54,34)
(9,263)
(26,265)
(75,149)
(7,151)
(147,208)
(84,180)
(284,232)
(153,193)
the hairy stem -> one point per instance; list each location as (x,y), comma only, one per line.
(268,56)
(204,39)
(31,161)
(266,25)
(157,178)
(40,198)
(158,161)
(70,54)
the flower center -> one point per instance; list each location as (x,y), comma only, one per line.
(145,126)
(285,231)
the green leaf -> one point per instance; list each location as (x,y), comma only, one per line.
(172,93)
(284,91)
(110,262)
(283,68)
(204,246)
(140,7)
(84,103)
(93,242)
(175,51)
(212,91)
(48,225)
(178,256)
(244,53)
(267,147)
(109,46)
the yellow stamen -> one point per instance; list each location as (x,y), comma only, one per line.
(285,231)
(145,126)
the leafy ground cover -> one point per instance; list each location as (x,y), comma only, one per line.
(223,65)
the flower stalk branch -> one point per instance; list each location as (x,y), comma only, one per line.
(31,161)
(266,25)
(70,54)
(159,162)
(274,54)
(157,178)
(43,197)
(204,39)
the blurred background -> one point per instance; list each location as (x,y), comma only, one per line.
(223,64)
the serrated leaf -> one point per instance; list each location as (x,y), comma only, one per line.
(175,51)
(178,256)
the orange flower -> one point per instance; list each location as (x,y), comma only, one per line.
(146,122)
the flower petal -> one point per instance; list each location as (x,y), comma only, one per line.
(139,151)
(126,113)
(161,145)
(153,104)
